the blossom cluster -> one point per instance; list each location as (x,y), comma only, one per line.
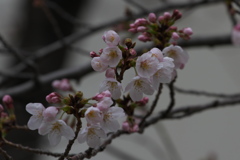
(152,68)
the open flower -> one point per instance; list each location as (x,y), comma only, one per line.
(110,116)
(91,134)
(179,56)
(98,65)
(93,115)
(111,56)
(36,109)
(113,86)
(146,65)
(111,38)
(55,131)
(164,72)
(138,86)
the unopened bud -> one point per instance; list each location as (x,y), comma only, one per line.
(133,52)
(53,98)
(188,31)
(167,15)
(8,101)
(152,17)
(128,42)
(1,108)
(93,54)
(175,36)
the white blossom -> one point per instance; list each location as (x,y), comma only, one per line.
(164,72)
(179,56)
(36,109)
(138,86)
(111,56)
(110,118)
(55,131)
(146,65)
(98,65)
(113,86)
(91,134)
(93,115)
(111,38)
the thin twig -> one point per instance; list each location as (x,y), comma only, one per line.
(154,104)
(204,93)
(28,149)
(5,154)
(172,97)
(70,143)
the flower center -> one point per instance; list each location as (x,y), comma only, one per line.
(144,65)
(113,54)
(112,85)
(138,84)
(56,126)
(172,53)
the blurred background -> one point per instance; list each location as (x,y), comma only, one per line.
(211,135)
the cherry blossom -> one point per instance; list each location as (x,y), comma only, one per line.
(36,109)
(91,134)
(111,56)
(155,52)
(179,56)
(98,65)
(110,117)
(113,86)
(93,115)
(55,131)
(111,38)
(146,65)
(137,87)
(235,36)
(100,96)
(104,104)
(49,114)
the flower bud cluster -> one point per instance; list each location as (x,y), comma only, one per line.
(7,115)
(235,36)
(153,25)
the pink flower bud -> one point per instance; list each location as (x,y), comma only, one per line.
(141,29)
(93,54)
(175,36)
(144,38)
(132,52)
(1,108)
(152,17)
(125,126)
(53,98)
(63,84)
(176,14)
(173,28)
(167,15)
(8,101)
(188,31)
(100,96)
(110,73)
(133,30)
(132,25)
(49,114)
(100,51)
(161,18)
(140,22)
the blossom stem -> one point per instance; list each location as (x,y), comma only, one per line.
(33,150)
(70,143)
(154,104)
(5,154)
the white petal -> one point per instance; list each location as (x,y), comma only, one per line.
(44,128)
(93,141)
(116,112)
(100,133)
(136,95)
(82,135)
(35,108)
(67,132)
(54,138)
(112,125)
(98,65)
(34,122)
